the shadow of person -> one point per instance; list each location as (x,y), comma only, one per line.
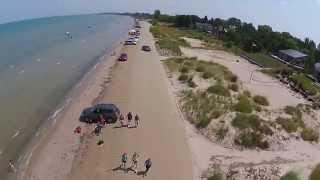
(141,173)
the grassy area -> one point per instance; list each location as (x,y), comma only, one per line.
(243,105)
(315,174)
(302,81)
(251,139)
(265,60)
(309,134)
(290,176)
(290,124)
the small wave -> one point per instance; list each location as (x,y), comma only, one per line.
(21,72)
(1,151)
(16,134)
(58,62)
(11,66)
(54,115)
(38,60)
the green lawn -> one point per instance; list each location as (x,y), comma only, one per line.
(265,60)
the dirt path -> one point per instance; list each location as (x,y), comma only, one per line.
(140,85)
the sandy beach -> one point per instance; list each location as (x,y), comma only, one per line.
(138,85)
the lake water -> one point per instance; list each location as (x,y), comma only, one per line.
(40,61)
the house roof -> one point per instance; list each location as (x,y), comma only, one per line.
(293,53)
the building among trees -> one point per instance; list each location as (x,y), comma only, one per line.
(293,57)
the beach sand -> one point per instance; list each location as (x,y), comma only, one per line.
(138,85)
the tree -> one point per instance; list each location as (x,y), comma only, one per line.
(205,19)
(156,14)
(234,22)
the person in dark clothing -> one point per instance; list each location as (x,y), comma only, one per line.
(124,159)
(136,120)
(147,164)
(129,117)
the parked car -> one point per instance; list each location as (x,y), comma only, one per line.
(123,57)
(109,112)
(130,42)
(146,48)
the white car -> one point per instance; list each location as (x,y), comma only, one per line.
(130,42)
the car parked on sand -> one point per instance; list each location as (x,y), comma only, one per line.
(146,48)
(109,112)
(130,42)
(123,57)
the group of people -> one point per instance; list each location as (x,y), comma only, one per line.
(129,120)
(134,164)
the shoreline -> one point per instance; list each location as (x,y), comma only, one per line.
(49,126)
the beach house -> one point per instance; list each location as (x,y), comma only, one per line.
(293,57)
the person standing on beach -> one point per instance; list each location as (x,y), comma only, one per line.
(147,164)
(129,117)
(11,166)
(121,118)
(136,120)
(124,159)
(134,165)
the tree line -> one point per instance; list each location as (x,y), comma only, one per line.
(248,37)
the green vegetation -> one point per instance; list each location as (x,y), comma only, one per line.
(261,100)
(265,60)
(202,107)
(302,81)
(293,111)
(309,134)
(216,176)
(247,93)
(207,75)
(243,105)
(184,69)
(253,122)
(290,176)
(222,132)
(234,87)
(315,174)
(218,90)
(290,124)
(251,139)
(183,77)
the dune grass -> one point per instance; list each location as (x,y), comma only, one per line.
(261,100)
(290,176)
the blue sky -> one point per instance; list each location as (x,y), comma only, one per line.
(299,17)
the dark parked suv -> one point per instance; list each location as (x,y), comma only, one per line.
(109,112)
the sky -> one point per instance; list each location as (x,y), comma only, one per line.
(299,17)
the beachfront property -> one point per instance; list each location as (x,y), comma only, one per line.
(217,31)
(293,57)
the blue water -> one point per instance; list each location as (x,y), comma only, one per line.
(39,63)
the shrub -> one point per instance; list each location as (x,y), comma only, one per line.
(287,124)
(309,134)
(261,100)
(234,78)
(207,75)
(257,108)
(222,132)
(183,77)
(293,111)
(216,176)
(219,90)
(192,84)
(244,121)
(216,114)
(204,122)
(247,93)
(200,68)
(184,69)
(234,87)
(251,140)
(315,174)
(243,105)
(290,176)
